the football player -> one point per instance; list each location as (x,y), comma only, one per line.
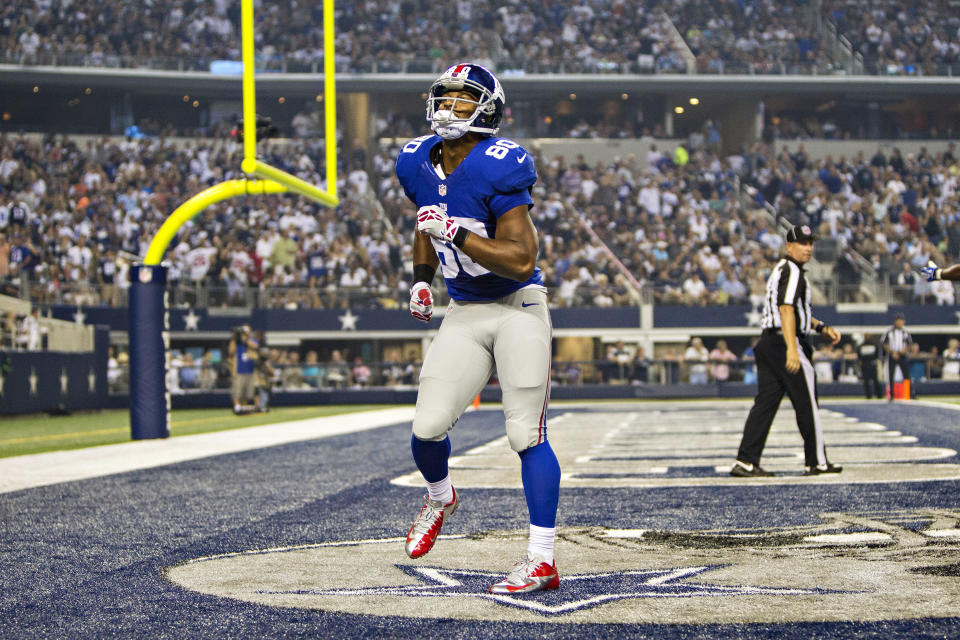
(472,191)
(932,272)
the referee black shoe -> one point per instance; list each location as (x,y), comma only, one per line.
(747,470)
(822,469)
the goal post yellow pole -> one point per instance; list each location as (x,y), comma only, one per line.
(149,318)
(251,165)
(196,204)
(249,88)
(330,96)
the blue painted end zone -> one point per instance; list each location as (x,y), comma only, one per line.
(85,559)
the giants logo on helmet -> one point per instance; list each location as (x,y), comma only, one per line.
(460,71)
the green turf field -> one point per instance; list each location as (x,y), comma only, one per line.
(37,433)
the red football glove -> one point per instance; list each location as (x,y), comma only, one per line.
(435,223)
(421,302)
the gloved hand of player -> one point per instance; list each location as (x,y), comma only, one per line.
(421,302)
(931,272)
(435,223)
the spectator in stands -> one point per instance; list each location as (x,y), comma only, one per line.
(189,372)
(617,361)
(361,373)
(31,331)
(310,371)
(934,363)
(5,250)
(918,366)
(823,360)
(848,365)
(951,360)
(207,377)
(639,371)
(696,357)
(671,362)
(338,375)
(720,358)
(292,373)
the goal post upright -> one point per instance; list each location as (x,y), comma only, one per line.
(330,96)
(149,316)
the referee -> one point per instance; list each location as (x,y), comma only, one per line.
(896,346)
(783,363)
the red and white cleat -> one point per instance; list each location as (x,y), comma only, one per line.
(529,574)
(425,529)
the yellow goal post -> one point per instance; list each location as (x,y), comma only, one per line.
(262,178)
(149,318)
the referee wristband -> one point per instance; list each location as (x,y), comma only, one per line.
(460,237)
(823,326)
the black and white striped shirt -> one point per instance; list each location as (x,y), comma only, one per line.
(787,284)
(896,340)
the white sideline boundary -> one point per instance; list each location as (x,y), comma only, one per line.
(41,469)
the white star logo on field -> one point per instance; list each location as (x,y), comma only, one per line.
(64,382)
(92,381)
(348,321)
(79,317)
(33,380)
(190,321)
(753,318)
(581,591)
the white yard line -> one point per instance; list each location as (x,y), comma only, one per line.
(40,469)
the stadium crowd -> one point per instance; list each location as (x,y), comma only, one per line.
(72,217)
(895,38)
(583,36)
(897,211)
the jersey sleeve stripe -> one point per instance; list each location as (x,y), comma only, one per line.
(788,290)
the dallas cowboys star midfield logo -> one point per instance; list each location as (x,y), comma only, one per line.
(579,591)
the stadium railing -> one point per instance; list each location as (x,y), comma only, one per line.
(188,379)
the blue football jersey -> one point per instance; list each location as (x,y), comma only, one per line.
(495,177)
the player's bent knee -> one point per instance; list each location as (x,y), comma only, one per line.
(431,425)
(523,436)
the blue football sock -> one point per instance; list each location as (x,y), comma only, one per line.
(431,457)
(540,472)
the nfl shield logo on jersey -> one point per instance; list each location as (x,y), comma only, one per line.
(443,189)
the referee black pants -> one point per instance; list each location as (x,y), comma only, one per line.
(904,364)
(773,381)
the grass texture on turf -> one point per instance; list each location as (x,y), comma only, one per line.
(39,433)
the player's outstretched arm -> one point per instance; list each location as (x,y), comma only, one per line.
(513,252)
(932,272)
(950,273)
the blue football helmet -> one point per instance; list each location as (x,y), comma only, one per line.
(483,85)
